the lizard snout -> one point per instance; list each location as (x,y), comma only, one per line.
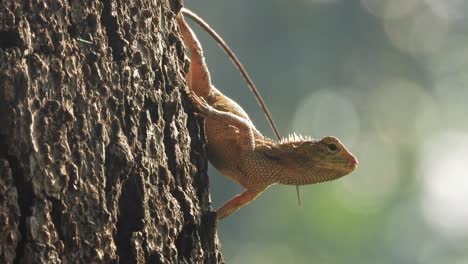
(352,160)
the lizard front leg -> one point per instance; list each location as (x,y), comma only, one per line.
(237,202)
(246,132)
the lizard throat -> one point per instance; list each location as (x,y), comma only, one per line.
(317,175)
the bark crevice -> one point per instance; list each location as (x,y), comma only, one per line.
(25,199)
(56,216)
(130,219)
(110,22)
(10,39)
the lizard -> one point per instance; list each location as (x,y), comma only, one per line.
(232,56)
(240,152)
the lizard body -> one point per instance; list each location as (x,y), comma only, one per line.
(240,152)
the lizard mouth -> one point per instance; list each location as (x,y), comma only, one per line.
(353,165)
(352,161)
(345,166)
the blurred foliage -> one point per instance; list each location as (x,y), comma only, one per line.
(388,77)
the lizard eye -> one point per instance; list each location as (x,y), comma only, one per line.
(332,147)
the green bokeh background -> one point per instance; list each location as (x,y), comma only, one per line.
(390,79)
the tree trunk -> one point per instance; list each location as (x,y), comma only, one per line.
(97,164)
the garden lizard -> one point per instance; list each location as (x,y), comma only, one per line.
(240,152)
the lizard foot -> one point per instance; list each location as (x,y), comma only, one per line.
(200,104)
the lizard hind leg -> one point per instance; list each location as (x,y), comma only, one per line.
(198,78)
(237,202)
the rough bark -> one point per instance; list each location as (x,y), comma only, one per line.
(97,164)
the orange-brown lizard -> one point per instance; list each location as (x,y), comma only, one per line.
(239,151)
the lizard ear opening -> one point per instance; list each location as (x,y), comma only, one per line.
(270,155)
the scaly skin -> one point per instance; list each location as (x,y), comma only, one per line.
(239,151)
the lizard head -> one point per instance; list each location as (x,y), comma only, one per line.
(312,161)
(335,155)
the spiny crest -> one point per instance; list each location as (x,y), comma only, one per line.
(295,138)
